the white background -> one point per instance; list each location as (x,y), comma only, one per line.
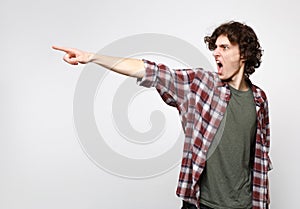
(41,162)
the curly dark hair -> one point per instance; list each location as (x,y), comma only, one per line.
(245,37)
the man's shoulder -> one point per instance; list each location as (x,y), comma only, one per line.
(203,73)
(198,73)
(258,92)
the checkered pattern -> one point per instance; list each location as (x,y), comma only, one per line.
(201,99)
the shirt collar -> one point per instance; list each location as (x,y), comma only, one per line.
(258,98)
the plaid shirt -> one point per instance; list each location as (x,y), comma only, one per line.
(201,99)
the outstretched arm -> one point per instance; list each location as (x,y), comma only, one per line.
(126,66)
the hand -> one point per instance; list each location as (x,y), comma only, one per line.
(74,56)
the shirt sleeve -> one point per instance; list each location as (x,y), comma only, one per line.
(172,85)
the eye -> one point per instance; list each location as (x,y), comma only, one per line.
(225,47)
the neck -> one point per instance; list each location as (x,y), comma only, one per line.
(241,85)
(239,81)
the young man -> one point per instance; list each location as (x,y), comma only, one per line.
(225,119)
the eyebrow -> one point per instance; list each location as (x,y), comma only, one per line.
(223,45)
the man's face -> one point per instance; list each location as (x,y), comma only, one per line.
(228,59)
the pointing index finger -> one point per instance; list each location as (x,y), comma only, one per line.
(64,49)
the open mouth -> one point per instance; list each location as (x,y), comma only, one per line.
(219,66)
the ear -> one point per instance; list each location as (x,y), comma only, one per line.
(243,59)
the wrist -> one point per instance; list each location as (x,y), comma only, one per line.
(90,57)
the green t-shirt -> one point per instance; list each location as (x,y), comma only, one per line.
(226,180)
